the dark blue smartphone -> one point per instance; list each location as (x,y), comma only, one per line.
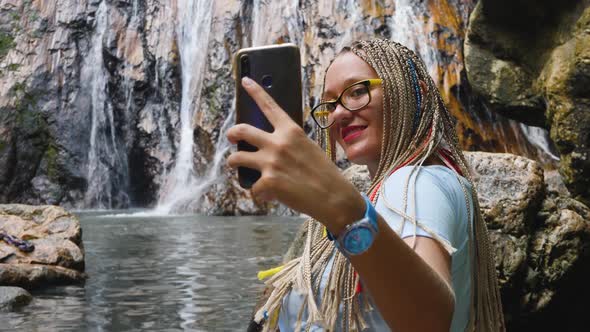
(277,68)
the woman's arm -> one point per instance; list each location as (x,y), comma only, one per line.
(410,288)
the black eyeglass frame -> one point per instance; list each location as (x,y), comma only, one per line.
(366,82)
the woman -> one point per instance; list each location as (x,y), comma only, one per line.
(361,268)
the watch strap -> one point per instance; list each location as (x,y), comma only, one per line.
(370,215)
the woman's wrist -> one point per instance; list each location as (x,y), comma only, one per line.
(345,212)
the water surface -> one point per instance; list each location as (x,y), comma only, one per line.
(193,273)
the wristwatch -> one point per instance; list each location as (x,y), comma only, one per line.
(358,237)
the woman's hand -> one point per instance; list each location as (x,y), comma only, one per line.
(295,170)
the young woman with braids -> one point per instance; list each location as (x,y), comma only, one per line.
(412,254)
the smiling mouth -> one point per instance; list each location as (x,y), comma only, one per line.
(351,132)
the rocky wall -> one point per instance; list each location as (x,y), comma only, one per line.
(529,61)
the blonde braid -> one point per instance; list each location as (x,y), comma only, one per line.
(411,133)
(486,308)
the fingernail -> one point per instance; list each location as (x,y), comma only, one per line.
(247,80)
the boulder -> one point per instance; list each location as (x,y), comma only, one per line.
(32,276)
(510,190)
(540,236)
(58,257)
(12,298)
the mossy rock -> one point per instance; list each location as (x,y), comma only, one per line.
(537,76)
(6,44)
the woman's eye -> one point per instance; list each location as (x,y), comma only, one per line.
(358,91)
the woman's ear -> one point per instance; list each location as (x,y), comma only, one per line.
(423,91)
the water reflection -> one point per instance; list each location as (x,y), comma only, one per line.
(177,273)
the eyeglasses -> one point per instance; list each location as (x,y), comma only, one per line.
(353,98)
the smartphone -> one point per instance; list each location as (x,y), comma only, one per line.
(277,68)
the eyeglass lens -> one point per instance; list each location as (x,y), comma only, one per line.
(353,98)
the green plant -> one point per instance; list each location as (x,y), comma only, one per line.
(13,67)
(15,17)
(51,158)
(27,116)
(33,16)
(6,43)
(17,89)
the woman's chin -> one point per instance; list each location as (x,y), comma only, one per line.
(360,154)
(358,158)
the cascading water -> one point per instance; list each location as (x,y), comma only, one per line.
(182,187)
(539,137)
(122,70)
(193,27)
(107,172)
(407,27)
(353,14)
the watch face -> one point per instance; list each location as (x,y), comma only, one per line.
(358,239)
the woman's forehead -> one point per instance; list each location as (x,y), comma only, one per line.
(346,69)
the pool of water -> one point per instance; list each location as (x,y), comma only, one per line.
(193,273)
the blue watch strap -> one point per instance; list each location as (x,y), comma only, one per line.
(370,213)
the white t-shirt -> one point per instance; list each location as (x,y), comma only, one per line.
(440,209)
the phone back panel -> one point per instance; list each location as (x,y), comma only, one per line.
(277,69)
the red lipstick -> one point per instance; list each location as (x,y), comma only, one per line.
(351,132)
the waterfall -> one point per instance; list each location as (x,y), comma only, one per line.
(408,28)
(353,16)
(539,138)
(182,188)
(107,171)
(193,27)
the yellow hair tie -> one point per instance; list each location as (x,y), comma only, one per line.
(274,317)
(269,273)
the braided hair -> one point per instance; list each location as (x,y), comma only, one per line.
(416,130)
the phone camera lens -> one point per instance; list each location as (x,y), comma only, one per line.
(267,81)
(245,66)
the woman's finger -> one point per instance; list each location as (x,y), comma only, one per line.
(264,189)
(248,133)
(244,159)
(273,112)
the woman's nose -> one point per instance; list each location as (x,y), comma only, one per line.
(341,114)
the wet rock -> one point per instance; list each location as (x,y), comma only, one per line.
(31,276)
(58,257)
(12,298)
(555,183)
(47,191)
(540,236)
(537,76)
(46,101)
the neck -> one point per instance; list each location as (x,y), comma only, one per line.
(373,169)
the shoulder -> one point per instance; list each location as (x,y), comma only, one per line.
(434,196)
(429,179)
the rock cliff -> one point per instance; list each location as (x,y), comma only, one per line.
(95,96)
(529,61)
